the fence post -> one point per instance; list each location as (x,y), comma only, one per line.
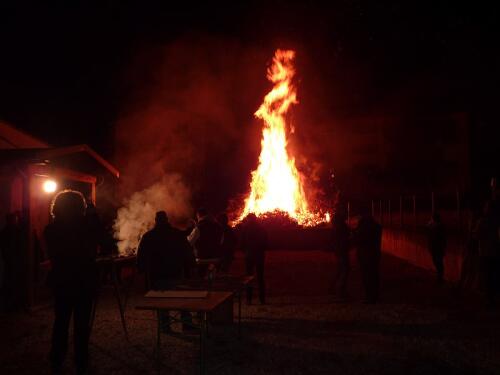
(348,212)
(390,214)
(380,211)
(414,211)
(401,211)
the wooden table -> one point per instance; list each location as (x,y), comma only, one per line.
(203,306)
(231,283)
(208,261)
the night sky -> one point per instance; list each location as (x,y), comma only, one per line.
(64,69)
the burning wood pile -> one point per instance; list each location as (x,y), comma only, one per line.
(277,187)
(278,192)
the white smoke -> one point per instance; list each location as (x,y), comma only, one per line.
(138,213)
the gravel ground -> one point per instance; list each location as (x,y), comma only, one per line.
(417,328)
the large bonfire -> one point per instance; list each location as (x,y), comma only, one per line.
(277,185)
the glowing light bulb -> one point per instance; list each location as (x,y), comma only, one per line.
(49,186)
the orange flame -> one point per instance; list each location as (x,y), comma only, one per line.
(276,183)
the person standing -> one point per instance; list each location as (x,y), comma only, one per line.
(12,240)
(470,261)
(489,253)
(228,242)
(254,243)
(72,248)
(368,239)
(340,244)
(164,254)
(205,238)
(437,244)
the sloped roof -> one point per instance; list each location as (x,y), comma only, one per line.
(67,156)
(16,144)
(12,138)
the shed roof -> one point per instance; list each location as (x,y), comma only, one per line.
(13,138)
(66,156)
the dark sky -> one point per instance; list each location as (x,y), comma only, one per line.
(63,68)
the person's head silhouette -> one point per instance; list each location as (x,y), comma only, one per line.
(161,218)
(68,205)
(201,213)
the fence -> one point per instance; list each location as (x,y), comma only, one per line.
(404,219)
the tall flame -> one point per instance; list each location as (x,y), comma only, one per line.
(276,183)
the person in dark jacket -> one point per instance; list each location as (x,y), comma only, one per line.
(254,243)
(437,244)
(164,254)
(205,238)
(489,253)
(368,238)
(340,244)
(72,247)
(12,244)
(228,242)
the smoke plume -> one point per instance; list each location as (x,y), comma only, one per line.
(170,194)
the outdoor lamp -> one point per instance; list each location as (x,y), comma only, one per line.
(49,186)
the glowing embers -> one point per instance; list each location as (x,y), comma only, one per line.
(276,185)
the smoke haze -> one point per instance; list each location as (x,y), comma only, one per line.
(189,110)
(137,215)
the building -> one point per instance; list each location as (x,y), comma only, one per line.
(31,173)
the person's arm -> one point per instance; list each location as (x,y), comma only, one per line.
(141,255)
(189,258)
(193,238)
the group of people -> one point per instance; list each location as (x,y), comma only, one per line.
(481,259)
(366,237)
(165,254)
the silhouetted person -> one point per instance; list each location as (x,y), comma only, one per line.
(165,256)
(436,236)
(489,253)
(368,238)
(106,241)
(11,247)
(254,244)
(229,242)
(72,247)
(205,238)
(107,244)
(340,244)
(470,262)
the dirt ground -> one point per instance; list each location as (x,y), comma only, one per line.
(417,328)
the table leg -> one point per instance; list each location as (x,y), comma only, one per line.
(158,340)
(239,314)
(118,298)
(203,342)
(127,291)
(92,313)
